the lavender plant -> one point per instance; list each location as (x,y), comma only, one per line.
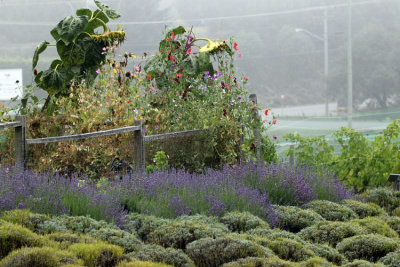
(169,193)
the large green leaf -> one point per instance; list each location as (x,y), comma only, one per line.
(93,52)
(84,12)
(72,54)
(205,62)
(53,80)
(71,27)
(39,49)
(111,13)
(191,65)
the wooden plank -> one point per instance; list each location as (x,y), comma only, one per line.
(20,142)
(139,147)
(170,135)
(82,136)
(9,124)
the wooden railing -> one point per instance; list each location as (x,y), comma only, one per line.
(21,143)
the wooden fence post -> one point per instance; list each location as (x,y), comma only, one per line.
(139,146)
(256,131)
(20,142)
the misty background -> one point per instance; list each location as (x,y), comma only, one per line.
(282,42)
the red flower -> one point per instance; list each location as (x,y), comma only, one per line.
(235,46)
(246,79)
(274,121)
(128,101)
(240,55)
(189,51)
(171,58)
(148,77)
(266,112)
(160,74)
(179,75)
(264,121)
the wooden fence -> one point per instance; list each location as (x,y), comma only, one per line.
(21,143)
(139,139)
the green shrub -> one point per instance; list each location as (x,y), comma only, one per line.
(179,234)
(261,262)
(67,239)
(274,234)
(199,218)
(367,247)
(43,257)
(143,224)
(136,263)
(288,249)
(14,236)
(327,252)
(75,224)
(25,218)
(117,237)
(376,226)
(316,262)
(364,209)
(295,219)
(393,222)
(98,254)
(384,197)
(156,253)
(215,252)
(331,211)
(331,233)
(242,221)
(362,263)
(391,259)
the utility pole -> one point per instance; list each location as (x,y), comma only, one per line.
(350,65)
(326,61)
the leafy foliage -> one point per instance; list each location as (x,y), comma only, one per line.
(361,163)
(80,50)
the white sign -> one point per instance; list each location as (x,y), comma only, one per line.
(10,84)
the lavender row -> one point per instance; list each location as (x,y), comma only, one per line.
(170,193)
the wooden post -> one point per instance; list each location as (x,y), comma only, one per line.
(139,148)
(20,142)
(256,131)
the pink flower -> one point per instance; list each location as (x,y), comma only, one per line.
(98,71)
(275,137)
(106,33)
(246,79)
(240,55)
(235,46)
(114,47)
(275,121)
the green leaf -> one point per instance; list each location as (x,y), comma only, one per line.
(39,49)
(84,12)
(55,34)
(72,54)
(100,15)
(111,13)
(55,63)
(35,99)
(70,28)
(178,30)
(93,56)
(205,62)
(53,80)
(191,65)
(38,76)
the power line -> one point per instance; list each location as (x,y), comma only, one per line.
(201,20)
